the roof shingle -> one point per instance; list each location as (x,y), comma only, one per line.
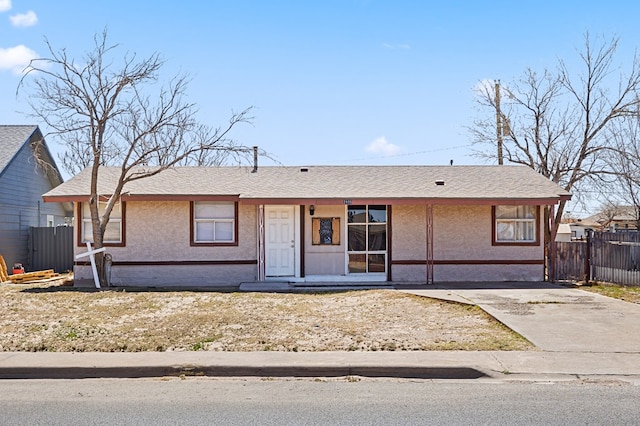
(329,182)
(12,138)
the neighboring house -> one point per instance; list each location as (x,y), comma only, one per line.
(615,218)
(580,228)
(27,170)
(228,225)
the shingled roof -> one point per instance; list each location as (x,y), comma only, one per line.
(12,139)
(438,184)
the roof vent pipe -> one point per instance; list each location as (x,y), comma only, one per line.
(255,159)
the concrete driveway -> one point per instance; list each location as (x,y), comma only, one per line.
(554,318)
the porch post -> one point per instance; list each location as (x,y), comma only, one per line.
(261,271)
(552,244)
(429,243)
(302,242)
(389,243)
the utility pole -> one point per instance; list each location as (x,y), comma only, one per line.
(499,122)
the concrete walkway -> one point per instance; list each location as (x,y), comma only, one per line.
(554,318)
(579,335)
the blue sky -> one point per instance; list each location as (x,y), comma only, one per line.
(333,81)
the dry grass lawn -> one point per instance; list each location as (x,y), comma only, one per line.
(58,318)
(626,293)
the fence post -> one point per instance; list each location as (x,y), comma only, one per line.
(550,221)
(587,258)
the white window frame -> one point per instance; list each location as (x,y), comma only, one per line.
(214,221)
(518,224)
(114,219)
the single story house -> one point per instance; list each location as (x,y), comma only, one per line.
(27,170)
(229,225)
(580,228)
(615,218)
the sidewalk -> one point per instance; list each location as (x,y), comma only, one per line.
(579,334)
(424,365)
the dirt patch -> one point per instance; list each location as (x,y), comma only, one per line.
(41,318)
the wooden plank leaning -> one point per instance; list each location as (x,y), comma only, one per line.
(4,275)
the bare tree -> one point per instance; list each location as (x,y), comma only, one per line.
(610,212)
(110,112)
(558,119)
(623,185)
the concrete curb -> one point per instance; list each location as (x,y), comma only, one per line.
(408,372)
(409,365)
(424,365)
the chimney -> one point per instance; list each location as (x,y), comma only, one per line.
(255,159)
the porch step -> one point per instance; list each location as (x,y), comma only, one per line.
(265,286)
(312,286)
(345,284)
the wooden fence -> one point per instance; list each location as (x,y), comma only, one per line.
(603,256)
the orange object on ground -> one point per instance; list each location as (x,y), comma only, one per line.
(18,269)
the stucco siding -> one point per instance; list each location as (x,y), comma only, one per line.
(159,232)
(409,273)
(460,234)
(325,259)
(464,233)
(478,273)
(409,229)
(444,273)
(175,275)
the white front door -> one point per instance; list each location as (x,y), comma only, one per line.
(279,241)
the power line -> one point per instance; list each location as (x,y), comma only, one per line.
(403,155)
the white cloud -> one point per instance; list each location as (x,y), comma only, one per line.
(382,146)
(5,5)
(28,19)
(16,58)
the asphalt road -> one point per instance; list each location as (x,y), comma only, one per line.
(315,402)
